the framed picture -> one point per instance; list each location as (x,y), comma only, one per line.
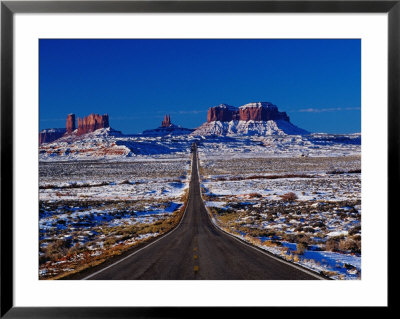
(196,154)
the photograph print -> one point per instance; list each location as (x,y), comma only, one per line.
(199,159)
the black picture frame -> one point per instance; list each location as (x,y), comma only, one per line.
(9,8)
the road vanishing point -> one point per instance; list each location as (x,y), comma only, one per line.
(197,249)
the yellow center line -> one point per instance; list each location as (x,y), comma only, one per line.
(196,268)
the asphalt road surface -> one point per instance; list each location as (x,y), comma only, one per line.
(196,249)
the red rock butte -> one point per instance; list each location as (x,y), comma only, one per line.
(87,124)
(92,122)
(260,111)
(70,126)
(167,121)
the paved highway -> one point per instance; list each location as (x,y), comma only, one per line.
(196,249)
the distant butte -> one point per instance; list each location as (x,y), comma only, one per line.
(167,128)
(70,123)
(259,111)
(167,121)
(257,118)
(87,124)
(92,122)
(50,135)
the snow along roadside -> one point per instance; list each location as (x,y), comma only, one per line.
(259,249)
(135,252)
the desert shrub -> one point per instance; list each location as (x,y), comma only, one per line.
(185,196)
(125,182)
(270,233)
(270,217)
(269,243)
(309,229)
(349,245)
(123,231)
(74,250)
(342,215)
(298,228)
(126,236)
(331,245)
(289,197)
(355,230)
(255,195)
(253,240)
(319,235)
(213,210)
(42,259)
(291,238)
(319,224)
(336,171)
(257,232)
(57,249)
(228,217)
(300,248)
(303,239)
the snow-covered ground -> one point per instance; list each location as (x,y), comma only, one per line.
(98,189)
(109,145)
(321,187)
(279,203)
(313,145)
(96,180)
(235,127)
(90,209)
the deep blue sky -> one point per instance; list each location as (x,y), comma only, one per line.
(317,82)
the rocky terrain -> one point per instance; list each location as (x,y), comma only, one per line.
(92,123)
(261,118)
(167,129)
(92,210)
(86,125)
(260,111)
(70,126)
(50,135)
(110,145)
(294,193)
(306,210)
(254,129)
